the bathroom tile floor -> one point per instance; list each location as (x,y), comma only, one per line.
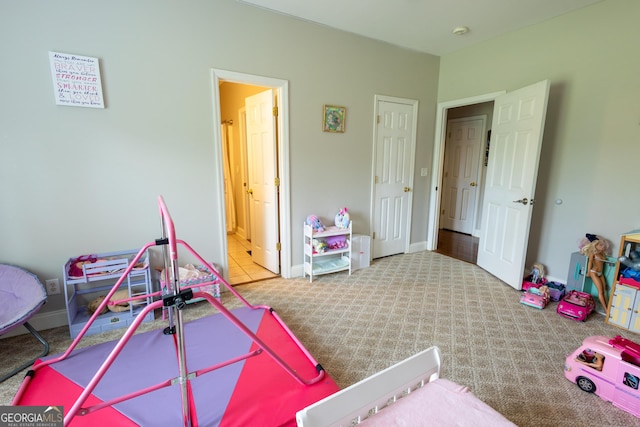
(241,267)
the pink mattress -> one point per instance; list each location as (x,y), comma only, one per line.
(438,403)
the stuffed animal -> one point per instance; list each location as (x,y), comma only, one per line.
(315,223)
(342,218)
(319,246)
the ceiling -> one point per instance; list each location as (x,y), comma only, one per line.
(425,25)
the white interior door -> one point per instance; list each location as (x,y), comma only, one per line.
(395,135)
(263,191)
(516,139)
(464,144)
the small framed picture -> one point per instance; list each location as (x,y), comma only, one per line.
(333,118)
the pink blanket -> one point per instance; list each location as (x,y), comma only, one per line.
(441,402)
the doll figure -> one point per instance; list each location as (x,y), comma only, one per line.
(596,250)
(591,358)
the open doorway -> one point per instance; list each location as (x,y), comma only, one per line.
(444,236)
(465,160)
(243,266)
(233,164)
(516,140)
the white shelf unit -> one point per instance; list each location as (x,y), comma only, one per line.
(97,279)
(331,260)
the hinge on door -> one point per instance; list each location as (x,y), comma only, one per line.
(378,119)
(276,181)
(275,111)
(278,246)
(374,235)
(375,180)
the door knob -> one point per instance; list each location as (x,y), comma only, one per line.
(407,189)
(249,191)
(524,201)
(473,184)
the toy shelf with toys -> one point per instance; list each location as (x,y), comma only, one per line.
(624,304)
(326,251)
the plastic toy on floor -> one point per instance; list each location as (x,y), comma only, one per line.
(557,290)
(535,279)
(536,297)
(576,305)
(609,368)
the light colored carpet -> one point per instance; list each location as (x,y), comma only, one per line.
(510,355)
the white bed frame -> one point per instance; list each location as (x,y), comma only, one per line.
(355,403)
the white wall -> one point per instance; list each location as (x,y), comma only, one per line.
(591,141)
(78,180)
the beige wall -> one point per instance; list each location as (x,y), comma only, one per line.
(78,180)
(591,142)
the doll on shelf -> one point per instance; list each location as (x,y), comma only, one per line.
(596,248)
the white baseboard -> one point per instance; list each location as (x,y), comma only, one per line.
(418,247)
(41,321)
(297,270)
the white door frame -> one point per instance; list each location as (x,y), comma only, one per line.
(438,160)
(281,87)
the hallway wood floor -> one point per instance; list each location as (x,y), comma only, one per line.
(458,245)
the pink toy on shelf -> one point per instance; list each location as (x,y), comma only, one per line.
(608,367)
(336,242)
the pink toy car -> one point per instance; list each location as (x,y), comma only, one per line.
(536,297)
(576,305)
(608,367)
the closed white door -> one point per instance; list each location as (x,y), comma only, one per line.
(395,135)
(263,188)
(516,139)
(465,139)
